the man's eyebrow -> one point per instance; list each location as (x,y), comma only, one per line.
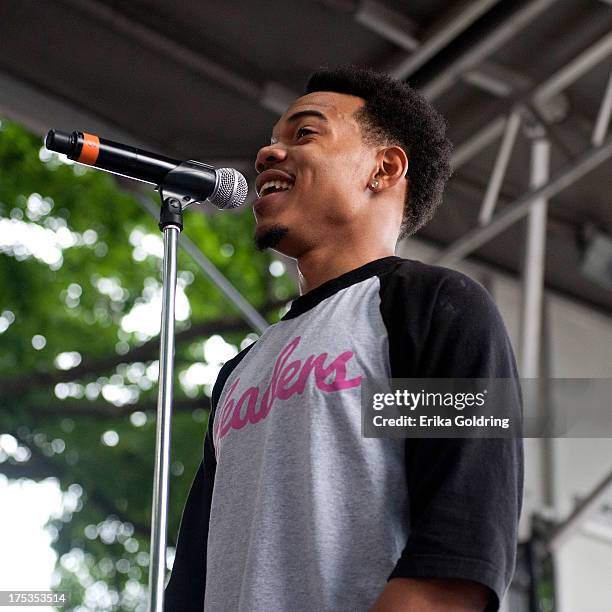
(303,113)
(306,113)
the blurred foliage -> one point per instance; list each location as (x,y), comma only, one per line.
(77,255)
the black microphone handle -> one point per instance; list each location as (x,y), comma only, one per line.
(114,157)
(224,188)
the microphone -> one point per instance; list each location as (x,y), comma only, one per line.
(224,188)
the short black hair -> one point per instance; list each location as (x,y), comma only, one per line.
(396,114)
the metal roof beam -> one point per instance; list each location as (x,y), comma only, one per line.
(573,70)
(477,142)
(496,79)
(395,27)
(565,177)
(441,35)
(499,168)
(603,116)
(388,23)
(40,110)
(484,48)
(485,82)
(585,511)
(265,94)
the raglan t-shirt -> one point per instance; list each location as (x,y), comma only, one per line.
(292,508)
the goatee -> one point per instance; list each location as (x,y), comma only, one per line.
(271,237)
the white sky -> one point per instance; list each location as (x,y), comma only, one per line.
(28,560)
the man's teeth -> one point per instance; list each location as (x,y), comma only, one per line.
(279,185)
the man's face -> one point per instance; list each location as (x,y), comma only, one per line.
(313,175)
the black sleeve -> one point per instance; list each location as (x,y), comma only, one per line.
(186,587)
(465,494)
(185,590)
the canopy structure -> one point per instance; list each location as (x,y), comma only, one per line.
(207,81)
(526,88)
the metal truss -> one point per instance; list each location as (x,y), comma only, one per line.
(524,102)
(523,111)
(473,67)
(568,175)
(538,96)
(534,203)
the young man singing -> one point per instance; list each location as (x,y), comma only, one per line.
(292,509)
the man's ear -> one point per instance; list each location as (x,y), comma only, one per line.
(393,167)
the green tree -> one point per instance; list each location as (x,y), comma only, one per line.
(79,268)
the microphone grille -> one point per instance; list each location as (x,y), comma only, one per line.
(231,189)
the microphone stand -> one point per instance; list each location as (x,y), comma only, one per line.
(182,185)
(177,191)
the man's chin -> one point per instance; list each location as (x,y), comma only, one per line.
(270,237)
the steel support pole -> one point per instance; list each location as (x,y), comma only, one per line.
(499,169)
(534,264)
(532,336)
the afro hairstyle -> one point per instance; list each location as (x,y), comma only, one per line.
(396,114)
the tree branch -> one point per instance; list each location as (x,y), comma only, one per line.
(21,385)
(81,408)
(31,469)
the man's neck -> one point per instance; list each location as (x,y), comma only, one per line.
(318,266)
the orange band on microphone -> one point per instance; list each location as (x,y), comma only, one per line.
(90,150)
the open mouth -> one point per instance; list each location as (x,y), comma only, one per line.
(274,187)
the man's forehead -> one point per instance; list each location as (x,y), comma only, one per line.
(332,105)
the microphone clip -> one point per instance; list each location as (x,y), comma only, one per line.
(190,182)
(184,185)
(171,213)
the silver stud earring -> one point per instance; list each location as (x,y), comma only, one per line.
(374,184)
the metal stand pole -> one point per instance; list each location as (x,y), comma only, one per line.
(171,223)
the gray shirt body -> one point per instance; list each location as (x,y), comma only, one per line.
(306,513)
(292,509)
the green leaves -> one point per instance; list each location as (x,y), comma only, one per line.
(77,255)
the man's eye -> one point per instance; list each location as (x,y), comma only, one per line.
(304,132)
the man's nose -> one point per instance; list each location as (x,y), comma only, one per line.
(268,156)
